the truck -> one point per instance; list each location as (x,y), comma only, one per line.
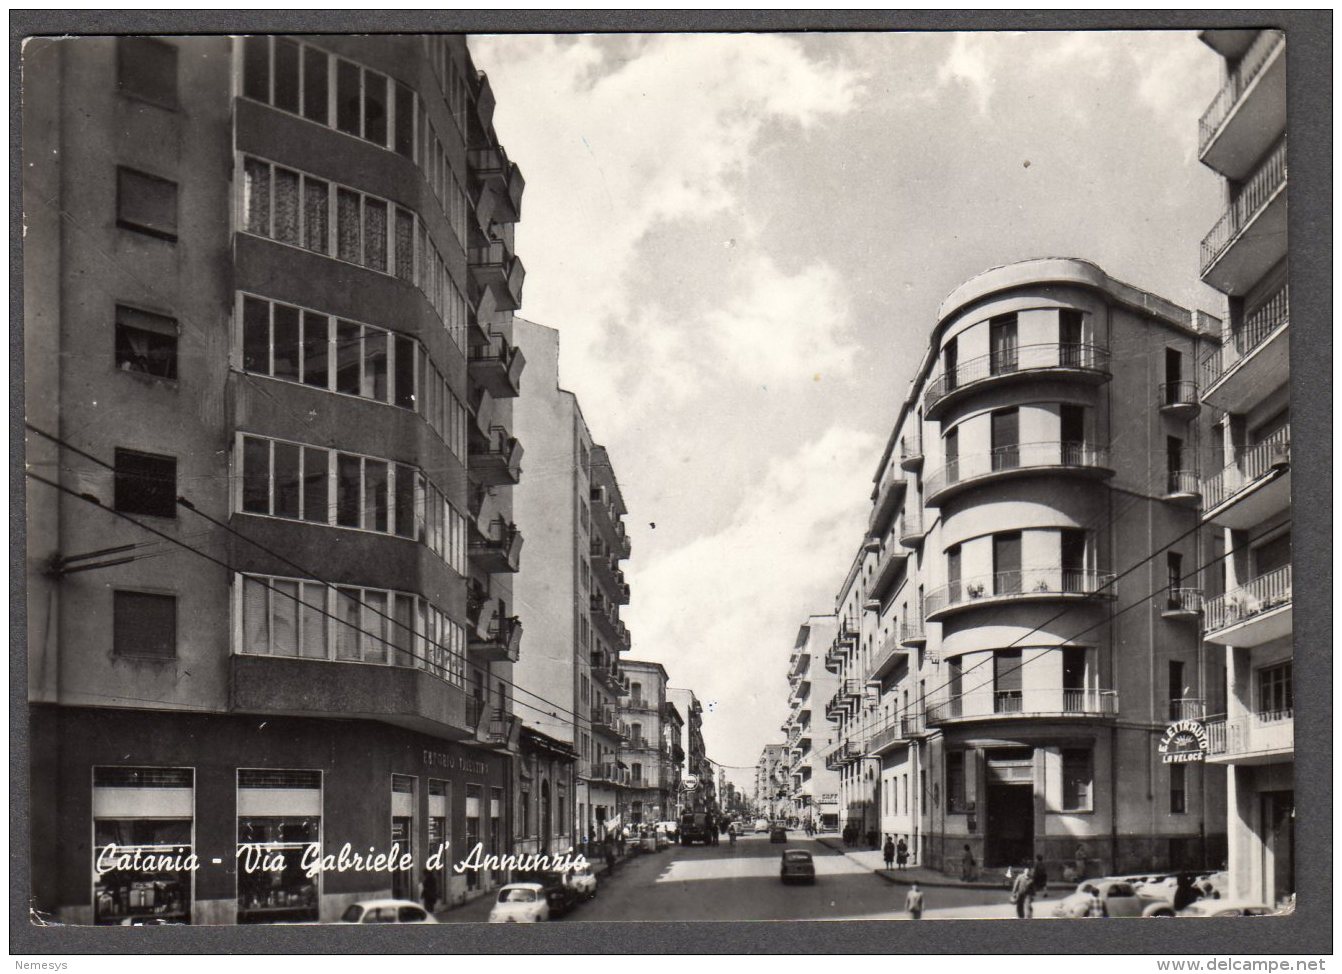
(697,827)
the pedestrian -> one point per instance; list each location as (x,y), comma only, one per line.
(901,852)
(873,839)
(1022,894)
(913,903)
(1040,877)
(889,852)
(428,891)
(1185,892)
(967,865)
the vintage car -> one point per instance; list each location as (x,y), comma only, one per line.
(777,834)
(797,864)
(1111,898)
(583,880)
(386,911)
(520,903)
(1229,908)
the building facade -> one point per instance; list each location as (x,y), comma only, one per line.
(771,783)
(269,284)
(813,787)
(698,783)
(1244,386)
(654,777)
(1021,621)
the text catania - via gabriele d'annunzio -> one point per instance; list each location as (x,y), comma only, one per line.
(253,858)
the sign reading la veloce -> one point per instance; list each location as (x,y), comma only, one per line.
(1183,741)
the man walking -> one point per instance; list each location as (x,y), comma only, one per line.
(1040,877)
(1022,893)
(913,903)
(428,891)
(889,852)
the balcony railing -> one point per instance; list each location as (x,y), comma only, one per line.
(499,549)
(1183,602)
(896,729)
(1257,734)
(1260,187)
(1188,708)
(1236,85)
(498,461)
(911,451)
(497,367)
(1178,395)
(912,632)
(1092,360)
(1182,484)
(1023,583)
(1020,456)
(1264,594)
(501,641)
(1252,465)
(1024,703)
(1271,315)
(889,648)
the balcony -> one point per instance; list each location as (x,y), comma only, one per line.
(834,657)
(1024,704)
(1182,603)
(605,720)
(499,730)
(610,773)
(640,744)
(911,452)
(910,531)
(896,731)
(1252,614)
(1023,459)
(1183,487)
(501,178)
(848,633)
(1024,585)
(495,268)
(1254,488)
(888,570)
(1187,708)
(497,367)
(1250,238)
(497,461)
(1178,399)
(1254,360)
(912,632)
(890,652)
(605,671)
(499,548)
(1248,111)
(885,500)
(835,708)
(1071,361)
(501,641)
(1255,739)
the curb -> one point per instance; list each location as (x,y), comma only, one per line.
(898,878)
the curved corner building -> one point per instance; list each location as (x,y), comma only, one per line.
(273,276)
(1021,621)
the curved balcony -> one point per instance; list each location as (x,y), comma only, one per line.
(1183,486)
(1071,361)
(1253,488)
(1024,459)
(1182,603)
(1179,399)
(1024,705)
(913,633)
(1023,585)
(1253,614)
(910,531)
(911,452)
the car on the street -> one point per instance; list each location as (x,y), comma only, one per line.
(560,893)
(797,864)
(777,834)
(697,827)
(520,903)
(583,880)
(670,829)
(761,825)
(1229,908)
(386,911)
(1116,898)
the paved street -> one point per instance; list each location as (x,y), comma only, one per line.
(742,883)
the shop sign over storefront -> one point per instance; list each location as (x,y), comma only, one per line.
(1183,741)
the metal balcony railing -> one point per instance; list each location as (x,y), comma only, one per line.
(1019,456)
(1266,319)
(1260,187)
(1258,54)
(1182,483)
(1249,467)
(1182,392)
(1025,582)
(1184,600)
(1068,356)
(1188,708)
(1024,703)
(1254,734)
(1263,594)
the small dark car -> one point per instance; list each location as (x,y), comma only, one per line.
(797,864)
(778,834)
(562,896)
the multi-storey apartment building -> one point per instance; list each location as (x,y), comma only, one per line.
(1020,623)
(654,779)
(570,589)
(698,783)
(771,785)
(1246,489)
(813,788)
(268,283)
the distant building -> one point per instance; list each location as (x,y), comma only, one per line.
(812,783)
(654,777)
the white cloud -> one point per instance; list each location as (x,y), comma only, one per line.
(967,65)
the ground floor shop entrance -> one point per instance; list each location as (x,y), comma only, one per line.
(1278,818)
(1008,826)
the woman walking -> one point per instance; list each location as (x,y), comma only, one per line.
(889,852)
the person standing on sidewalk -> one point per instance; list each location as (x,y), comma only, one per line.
(428,891)
(1040,877)
(901,852)
(913,903)
(968,866)
(1022,894)
(889,852)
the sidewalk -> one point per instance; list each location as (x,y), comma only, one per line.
(874,860)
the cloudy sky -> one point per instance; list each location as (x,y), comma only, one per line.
(743,240)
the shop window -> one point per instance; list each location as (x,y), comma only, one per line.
(145,483)
(279,814)
(146,343)
(474,799)
(146,204)
(1178,800)
(1077,779)
(147,68)
(144,624)
(403,833)
(158,834)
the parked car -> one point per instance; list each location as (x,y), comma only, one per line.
(777,834)
(1117,898)
(1229,908)
(386,911)
(797,864)
(520,903)
(583,880)
(761,825)
(560,893)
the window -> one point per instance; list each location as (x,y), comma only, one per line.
(147,68)
(1174,463)
(1007,563)
(144,624)
(1275,698)
(1073,547)
(1178,801)
(1006,439)
(145,483)
(1002,344)
(1007,693)
(146,342)
(146,204)
(955,782)
(1072,432)
(1077,779)
(1070,347)
(950,356)
(953,566)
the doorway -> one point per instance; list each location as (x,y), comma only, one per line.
(1278,818)
(1008,826)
